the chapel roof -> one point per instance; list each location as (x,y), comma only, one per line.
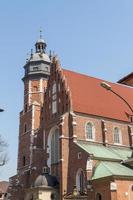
(101,152)
(89,97)
(105,169)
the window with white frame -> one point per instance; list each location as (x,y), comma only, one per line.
(80,180)
(90,131)
(55,147)
(54,98)
(117,135)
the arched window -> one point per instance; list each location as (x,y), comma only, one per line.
(117,135)
(55,147)
(98,196)
(80,180)
(90,131)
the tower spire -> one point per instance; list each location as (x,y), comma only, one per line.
(40,32)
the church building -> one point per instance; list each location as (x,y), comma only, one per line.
(75,134)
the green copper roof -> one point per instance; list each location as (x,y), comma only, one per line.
(105,169)
(101,152)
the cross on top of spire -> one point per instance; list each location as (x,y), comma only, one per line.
(40,32)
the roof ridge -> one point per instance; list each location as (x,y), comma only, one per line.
(97,78)
(82,74)
(104,164)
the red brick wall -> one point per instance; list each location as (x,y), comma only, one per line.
(81,121)
(124,189)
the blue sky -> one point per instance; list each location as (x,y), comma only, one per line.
(94,37)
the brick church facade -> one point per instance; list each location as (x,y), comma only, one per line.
(75,137)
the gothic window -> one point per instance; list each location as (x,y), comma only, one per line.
(80,180)
(117,135)
(54,99)
(90,131)
(55,147)
(98,196)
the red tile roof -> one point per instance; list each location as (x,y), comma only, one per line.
(3,186)
(90,98)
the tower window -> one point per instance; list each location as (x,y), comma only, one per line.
(25,109)
(25,128)
(24,160)
(35,88)
(35,68)
(46,68)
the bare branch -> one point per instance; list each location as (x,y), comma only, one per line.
(3,154)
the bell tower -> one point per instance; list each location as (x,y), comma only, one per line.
(37,72)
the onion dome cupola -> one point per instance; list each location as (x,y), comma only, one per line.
(38,64)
